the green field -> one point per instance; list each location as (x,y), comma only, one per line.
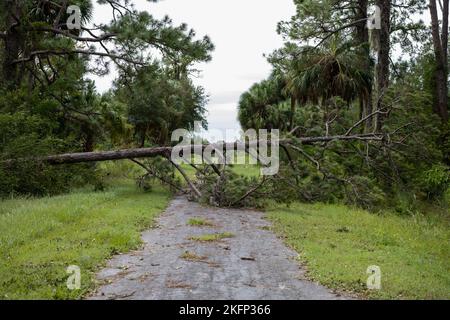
(244,167)
(40,238)
(337,244)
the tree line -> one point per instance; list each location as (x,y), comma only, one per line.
(338,72)
(48,105)
(363,110)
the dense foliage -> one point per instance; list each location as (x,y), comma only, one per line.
(332,77)
(326,82)
(48,105)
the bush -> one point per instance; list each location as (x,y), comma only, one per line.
(25,138)
(159,171)
(436,181)
(229,189)
(364,193)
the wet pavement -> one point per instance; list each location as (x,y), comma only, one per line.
(254,264)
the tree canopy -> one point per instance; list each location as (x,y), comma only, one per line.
(44,68)
(335,76)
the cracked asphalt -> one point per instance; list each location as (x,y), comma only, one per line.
(254,264)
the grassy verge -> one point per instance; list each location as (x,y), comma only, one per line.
(40,238)
(247,170)
(337,244)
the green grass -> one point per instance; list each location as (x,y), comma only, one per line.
(199,222)
(337,244)
(189,170)
(40,238)
(212,237)
(246,169)
(190,256)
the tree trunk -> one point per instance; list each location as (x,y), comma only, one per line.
(83,157)
(362,111)
(89,142)
(384,48)
(293,108)
(444,37)
(440,44)
(362,32)
(12,43)
(362,40)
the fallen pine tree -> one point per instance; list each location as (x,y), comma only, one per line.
(220,149)
(212,176)
(137,153)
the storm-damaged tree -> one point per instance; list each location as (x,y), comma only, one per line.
(327,77)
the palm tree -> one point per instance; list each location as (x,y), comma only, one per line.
(256,104)
(332,70)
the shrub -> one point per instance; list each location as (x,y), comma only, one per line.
(436,181)
(25,138)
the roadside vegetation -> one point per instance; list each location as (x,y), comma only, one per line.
(337,244)
(190,256)
(41,237)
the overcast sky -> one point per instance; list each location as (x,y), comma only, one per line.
(242,31)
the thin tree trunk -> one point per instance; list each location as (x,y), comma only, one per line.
(444,39)
(440,44)
(293,108)
(384,48)
(362,110)
(89,139)
(362,38)
(186,178)
(12,42)
(362,32)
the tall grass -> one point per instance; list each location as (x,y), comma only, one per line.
(338,244)
(40,238)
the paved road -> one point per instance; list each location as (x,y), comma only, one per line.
(254,264)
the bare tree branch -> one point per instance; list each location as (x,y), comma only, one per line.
(185,176)
(370,116)
(154,174)
(34,54)
(250,192)
(100,38)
